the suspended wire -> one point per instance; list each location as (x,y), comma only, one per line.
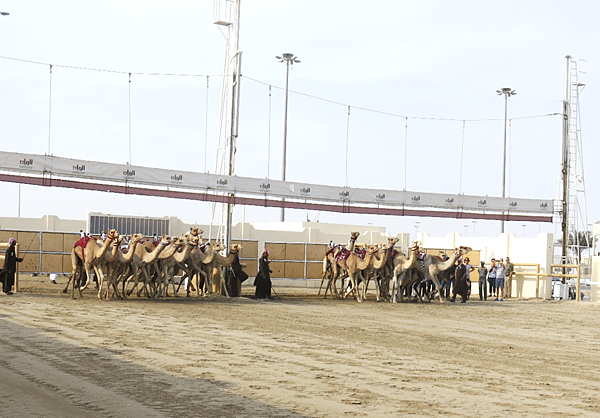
(405,150)
(50,110)
(108,71)
(280,88)
(206,126)
(347,137)
(269,140)
(462,155)
(396,114)
(509,155)
(129,118)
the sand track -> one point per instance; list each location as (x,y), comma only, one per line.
(296,356)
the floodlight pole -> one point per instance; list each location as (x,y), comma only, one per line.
(507,92)
(289,59)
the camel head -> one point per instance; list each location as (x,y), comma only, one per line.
(416,246)
(235,248)
(354,235)
(195,231)
(176,241)
(193,240)
(136,238)
(111,234)
(460,251)
(165,240)
(392,242)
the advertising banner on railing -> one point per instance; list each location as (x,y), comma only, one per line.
(58,167)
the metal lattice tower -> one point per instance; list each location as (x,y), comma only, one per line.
(227,15)
(572,206)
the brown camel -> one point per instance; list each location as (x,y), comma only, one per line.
(330,267)
(214,267)
(167,265)
(354,266)
(401,266)
(141,259)
(89,252)
(434,265)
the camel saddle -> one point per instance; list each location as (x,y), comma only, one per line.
(82,242)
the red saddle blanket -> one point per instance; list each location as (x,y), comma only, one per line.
(82,242)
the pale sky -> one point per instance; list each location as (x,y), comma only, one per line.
(439,63)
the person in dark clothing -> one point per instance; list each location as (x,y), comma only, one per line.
(263,278)
(10,267)
(235,276)
(460,282)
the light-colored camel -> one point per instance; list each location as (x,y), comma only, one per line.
(118,262)
(434,265)
(214,267)
(139,262)
(374,270)
(90,256)
(401,266)
(177,259)
(330,267)
(198,258)
(354,265)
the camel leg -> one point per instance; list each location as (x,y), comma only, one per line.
(438,287)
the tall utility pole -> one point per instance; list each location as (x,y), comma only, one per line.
(289,59)
(228,16)
(573,209)
(507,92)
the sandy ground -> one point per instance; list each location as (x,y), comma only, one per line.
(296,356)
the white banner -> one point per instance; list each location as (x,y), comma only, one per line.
(38,165)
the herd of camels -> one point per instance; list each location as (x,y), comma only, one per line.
(149,265)
(383,265)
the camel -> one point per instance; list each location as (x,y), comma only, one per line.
(141,259)
(89,252)
(401,266)
(118,261)
(218,261)
(330,267)
(353,266)
(168,265)
(434,265)
(374,270)
(199,257)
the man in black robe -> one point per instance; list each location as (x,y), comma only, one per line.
(10,267)
(460,285)
(235,276)
(263,278)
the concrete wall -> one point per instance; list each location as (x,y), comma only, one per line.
(45,223)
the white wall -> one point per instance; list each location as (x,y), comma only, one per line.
(538,250)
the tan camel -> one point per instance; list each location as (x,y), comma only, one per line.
(167,265)
(375,270)
(118,262)
(330,267)
(141,259)
(434,265)
(214,267)
(354,266)
(401,266)
(198,257)
(90,255)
